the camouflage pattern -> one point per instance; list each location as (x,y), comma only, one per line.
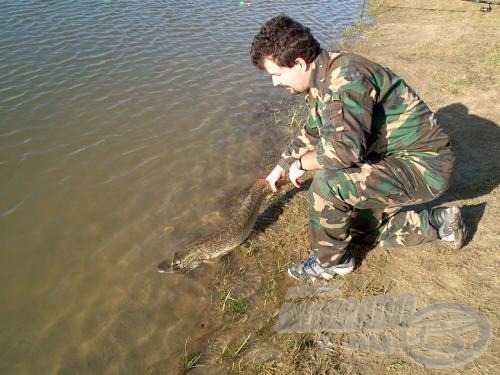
(380,149)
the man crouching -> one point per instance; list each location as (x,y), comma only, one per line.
(373,144)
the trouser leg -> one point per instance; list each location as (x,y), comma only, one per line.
(392,227)
(373,195)
(329,221)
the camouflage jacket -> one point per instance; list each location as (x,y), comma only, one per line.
(360,111)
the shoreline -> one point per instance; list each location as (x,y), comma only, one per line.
(450,56)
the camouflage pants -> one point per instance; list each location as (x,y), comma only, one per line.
(366,203)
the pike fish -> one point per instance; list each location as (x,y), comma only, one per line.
(225,239)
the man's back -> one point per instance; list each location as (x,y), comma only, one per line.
(365,106)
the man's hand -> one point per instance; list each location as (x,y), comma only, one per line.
(295,173)
(274,177)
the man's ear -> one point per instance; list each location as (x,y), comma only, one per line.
(302,63)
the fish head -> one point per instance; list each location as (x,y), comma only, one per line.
(178,263)
(185,265)
(170,266)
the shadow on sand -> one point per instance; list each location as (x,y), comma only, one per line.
(475,143)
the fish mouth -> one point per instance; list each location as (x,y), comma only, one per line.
(165,267)
(168,266)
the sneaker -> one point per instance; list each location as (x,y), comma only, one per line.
(449,224)
(312,270)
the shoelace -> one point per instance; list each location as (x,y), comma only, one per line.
(451,226)
(311,262)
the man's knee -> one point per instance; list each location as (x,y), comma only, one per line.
(329,188)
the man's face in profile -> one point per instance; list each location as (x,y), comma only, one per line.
(294,79)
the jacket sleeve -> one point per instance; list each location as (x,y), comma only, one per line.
(346,123)
(300,145)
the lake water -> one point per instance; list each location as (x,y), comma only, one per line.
(124,125)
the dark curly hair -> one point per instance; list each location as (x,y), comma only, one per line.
(285,40)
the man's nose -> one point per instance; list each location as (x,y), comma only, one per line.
(276,80)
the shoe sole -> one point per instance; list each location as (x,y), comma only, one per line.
(325,275)
(344,271)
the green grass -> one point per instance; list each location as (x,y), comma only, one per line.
(352,33)
(290,115)
(249,247)
(233,305)
(235,351)
(189,362)
(232,353)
